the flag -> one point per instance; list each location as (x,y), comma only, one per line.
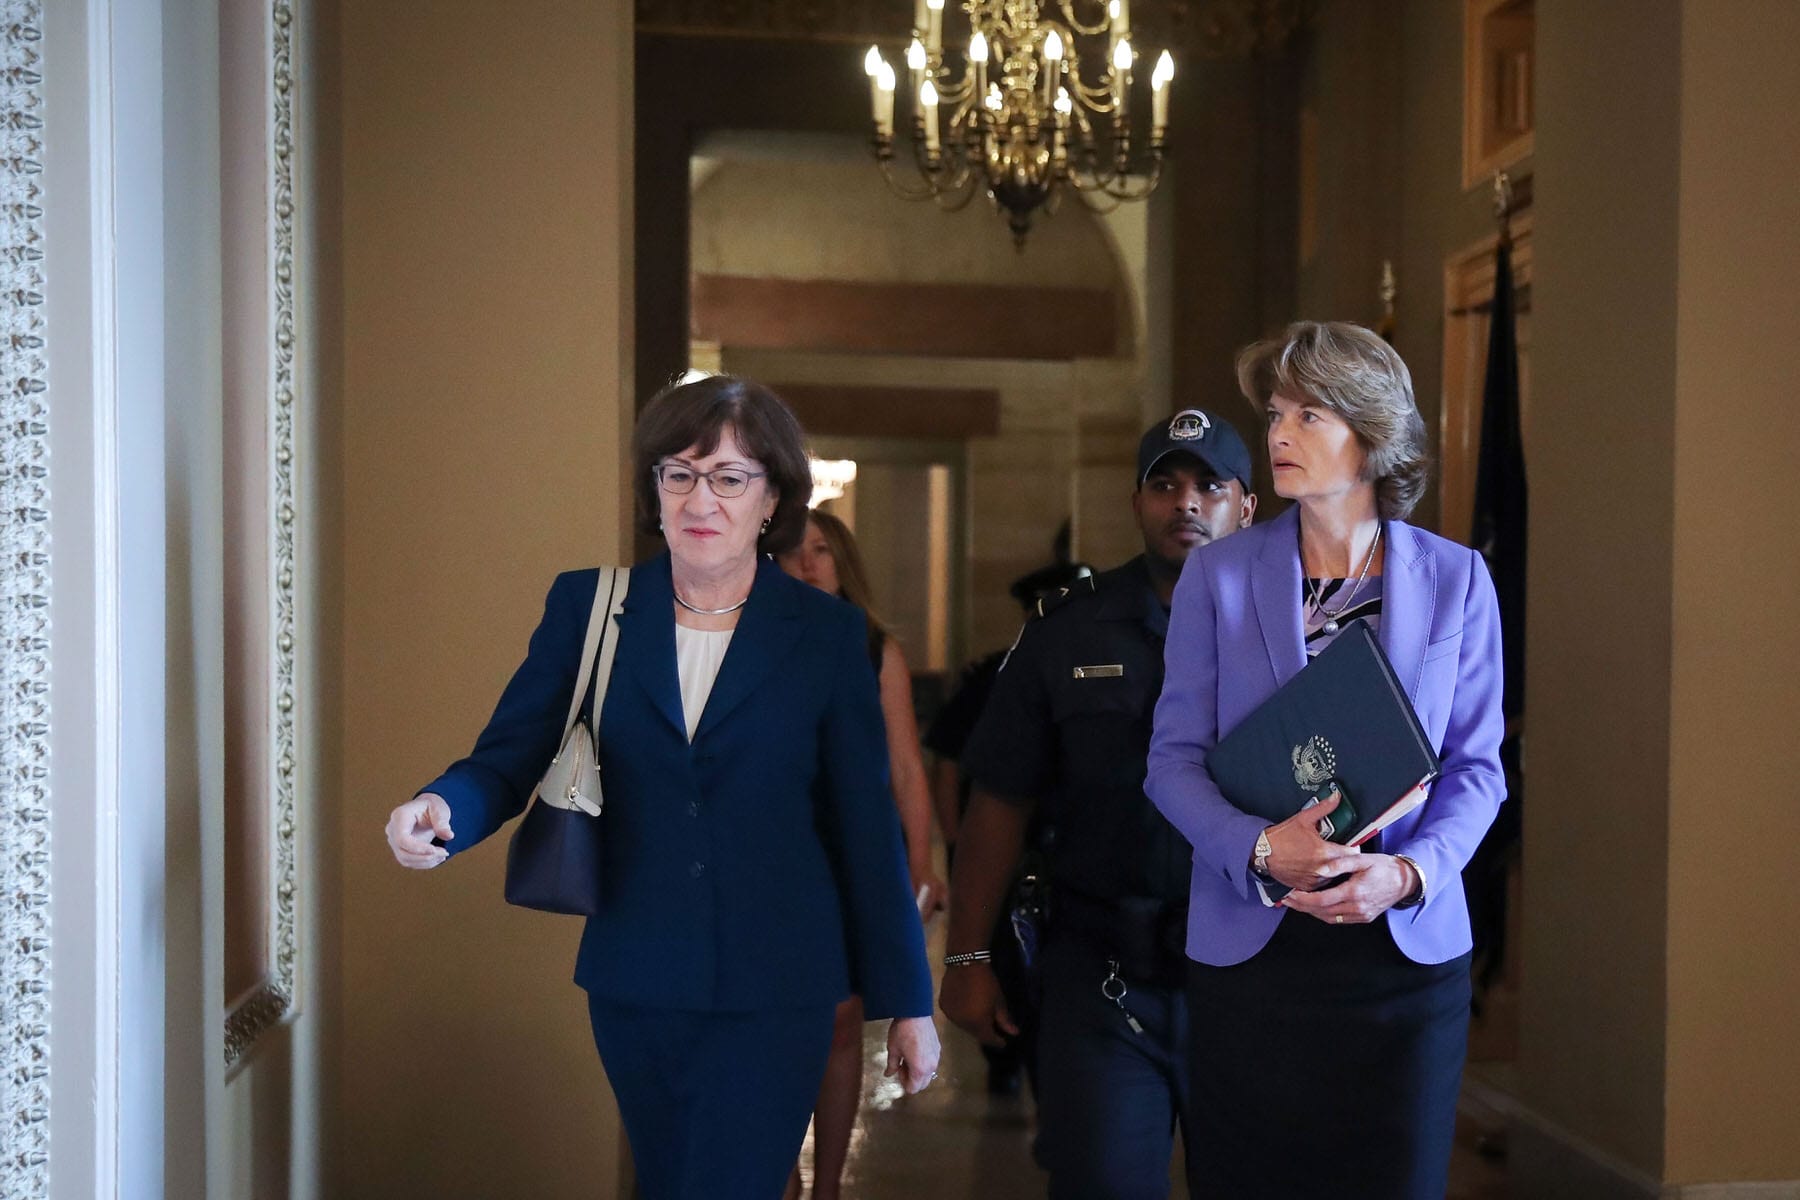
(1499,534)
(1500,502)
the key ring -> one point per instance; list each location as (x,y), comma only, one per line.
(1112,979)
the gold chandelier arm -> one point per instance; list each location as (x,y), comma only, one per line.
(900,189)
(1119,187)
(1098,98)
(1074,22)
(954,91)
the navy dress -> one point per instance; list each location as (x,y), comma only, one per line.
(753,877)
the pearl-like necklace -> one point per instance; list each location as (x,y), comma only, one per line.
(1318,599)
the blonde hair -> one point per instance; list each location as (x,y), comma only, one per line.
(1357,375)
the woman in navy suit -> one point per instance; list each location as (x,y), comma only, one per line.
(1334,1023)
(754,871)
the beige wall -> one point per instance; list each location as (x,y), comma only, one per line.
(1660,993)
(1733,973)
(831,220)
(1593,1009)
(486,222)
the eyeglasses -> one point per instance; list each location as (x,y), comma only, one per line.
(726,482)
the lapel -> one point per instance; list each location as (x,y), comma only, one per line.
(766,631)
(1275,586)
(1408,594)
(646,653)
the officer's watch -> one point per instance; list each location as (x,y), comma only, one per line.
(1260,863)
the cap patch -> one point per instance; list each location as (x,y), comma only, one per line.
(1189,425)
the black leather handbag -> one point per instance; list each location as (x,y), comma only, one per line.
(553,862)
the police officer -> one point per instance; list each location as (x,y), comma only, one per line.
(1067,727)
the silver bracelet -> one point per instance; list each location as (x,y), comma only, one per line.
(1417,897)
(963,960)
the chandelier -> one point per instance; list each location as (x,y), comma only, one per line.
(1026,112)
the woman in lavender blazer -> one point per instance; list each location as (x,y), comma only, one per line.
(1330,1029)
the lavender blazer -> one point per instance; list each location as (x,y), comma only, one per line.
(1235,635)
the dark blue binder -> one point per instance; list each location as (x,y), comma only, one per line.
(1343,723)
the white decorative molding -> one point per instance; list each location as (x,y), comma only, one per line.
(274,1000)
(24,618)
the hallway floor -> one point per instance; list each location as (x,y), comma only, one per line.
(956,1141)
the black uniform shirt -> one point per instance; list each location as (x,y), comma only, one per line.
(1068,725)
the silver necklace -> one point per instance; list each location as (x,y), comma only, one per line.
(1318,599)
(711,612)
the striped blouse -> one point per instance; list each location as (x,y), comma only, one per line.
(1333,593)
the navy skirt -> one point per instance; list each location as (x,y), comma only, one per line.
(1326,1065)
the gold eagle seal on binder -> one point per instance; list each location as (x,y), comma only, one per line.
(1315,763)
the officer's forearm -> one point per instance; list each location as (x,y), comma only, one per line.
(987,853)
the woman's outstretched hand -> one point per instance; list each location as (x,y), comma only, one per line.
(912,1047)
(411,827)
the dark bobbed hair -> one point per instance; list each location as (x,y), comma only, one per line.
(695,414)
(1353,372)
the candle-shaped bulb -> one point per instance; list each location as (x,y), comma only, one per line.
(928,101)
(978,48)
(872,68)
(994,102)
(934,5)
(1064,105)
(1122,56)
(928,94)
(1165,71)
(915,56)
(934,25)
(1159,93)
(1053,47)
(884,98)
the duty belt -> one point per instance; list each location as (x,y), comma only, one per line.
(1147,936)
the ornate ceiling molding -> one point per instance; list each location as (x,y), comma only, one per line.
(1191,28)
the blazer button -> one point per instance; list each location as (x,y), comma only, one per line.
(693,808)
(696,870)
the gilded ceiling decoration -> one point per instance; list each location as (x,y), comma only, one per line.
(1191,28)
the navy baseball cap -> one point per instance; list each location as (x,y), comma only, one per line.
(1208,438)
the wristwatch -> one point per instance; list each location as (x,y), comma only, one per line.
(1260,862)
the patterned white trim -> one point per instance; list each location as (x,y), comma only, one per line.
(274,1000)
(24,618)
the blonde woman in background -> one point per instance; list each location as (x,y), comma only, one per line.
(828,559)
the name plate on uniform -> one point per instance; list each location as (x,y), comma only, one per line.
(1103,671)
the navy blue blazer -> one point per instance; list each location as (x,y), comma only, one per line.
(762,865)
